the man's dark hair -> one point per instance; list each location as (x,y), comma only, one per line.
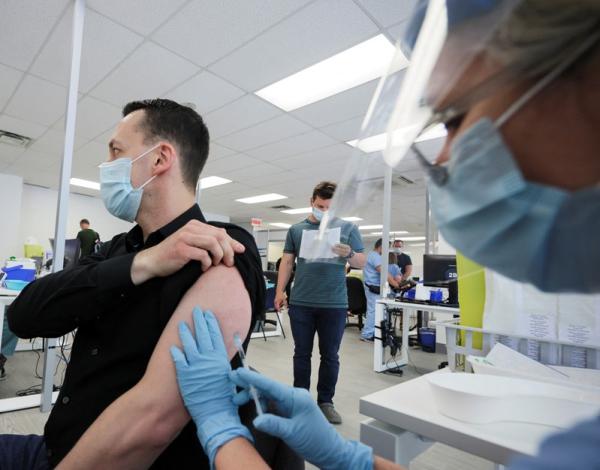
(324,190)
(378,243)
(400,241)
(180,125)
(84,221)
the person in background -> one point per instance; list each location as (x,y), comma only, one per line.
(403,260)
(372,280)
(88,238)
(319,301)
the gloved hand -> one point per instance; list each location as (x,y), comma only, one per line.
(303,427)
(204,383)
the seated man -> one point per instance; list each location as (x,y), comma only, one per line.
(119,406)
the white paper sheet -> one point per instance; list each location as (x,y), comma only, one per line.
(313,248)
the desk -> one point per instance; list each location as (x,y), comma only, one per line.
(406,422)
(380,364)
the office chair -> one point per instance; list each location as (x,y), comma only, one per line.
(357,300)
(270,307)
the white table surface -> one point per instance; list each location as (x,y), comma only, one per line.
(410,406)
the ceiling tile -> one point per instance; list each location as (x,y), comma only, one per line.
(207,91)
(389,12)
(315,159)
(242,113)
(142,16)
(317,32)
(292,146)
(9,79)
(218,151)
(94,117)
(345,130)
(53,142)
(261,169)
(397,31)
(38,101)
(231,163)
(25,25)
(34,161)
(9,154)
(139,77)
(105,44)
(204,30)
(92,154)
(18,126)
(340,107)
(276,129)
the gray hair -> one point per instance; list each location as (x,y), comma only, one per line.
(539,34)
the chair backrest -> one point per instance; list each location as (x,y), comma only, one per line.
(270,299)
(357,301)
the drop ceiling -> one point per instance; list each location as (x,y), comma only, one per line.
(215,55)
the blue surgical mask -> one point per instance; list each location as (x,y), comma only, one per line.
(317,214)
(527,231)
(120,198)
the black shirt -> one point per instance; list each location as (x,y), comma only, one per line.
(118,325)
(403,260)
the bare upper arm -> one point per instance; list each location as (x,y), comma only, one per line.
(288,258)
(221,290)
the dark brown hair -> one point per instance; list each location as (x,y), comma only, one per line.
(324,190)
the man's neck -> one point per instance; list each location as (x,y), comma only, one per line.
(166,210)
(311,218)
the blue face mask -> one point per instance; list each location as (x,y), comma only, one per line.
(120,198)
(317,214)
(526,231)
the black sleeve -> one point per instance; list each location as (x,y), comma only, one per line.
(250,268)
(407,260)
(58,303)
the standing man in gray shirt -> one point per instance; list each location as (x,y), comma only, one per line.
(319,302)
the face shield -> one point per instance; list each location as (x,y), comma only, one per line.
(461,53)
(411,103)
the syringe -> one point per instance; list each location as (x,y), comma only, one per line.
(253,393)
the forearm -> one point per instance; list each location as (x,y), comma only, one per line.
(392,282)
(233,453)
(407,272)
(383,464)
(60,302)
(358,261)
(129,434)
(285,272)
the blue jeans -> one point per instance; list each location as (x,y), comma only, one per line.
(368,330)
(329,324)
(18,452)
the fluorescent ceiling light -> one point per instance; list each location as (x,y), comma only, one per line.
(211,181)
(359,64)
(351,219)
(416,244)
(398,232)
(413,239)
(261,198)
(378,142)
(369,227)
(280,225)
(302,210)
(85,183)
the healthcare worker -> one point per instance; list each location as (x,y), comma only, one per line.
(515,188)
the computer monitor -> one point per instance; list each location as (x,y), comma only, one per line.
(440,271)
(72,252)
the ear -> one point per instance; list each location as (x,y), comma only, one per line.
(163,158)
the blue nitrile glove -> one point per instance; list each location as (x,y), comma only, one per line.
(207,390)
(303,427)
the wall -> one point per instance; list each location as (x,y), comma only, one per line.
(38,216)
(11,189)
